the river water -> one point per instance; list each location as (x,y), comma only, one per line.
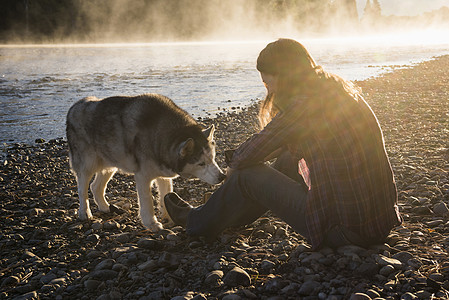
(38,84)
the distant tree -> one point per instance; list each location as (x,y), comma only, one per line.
(343,15)
(372,10)
(372,15)
(368,8)
(376,9)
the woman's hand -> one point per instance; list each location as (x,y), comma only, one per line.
(229,172)
(274,154)
(228,155)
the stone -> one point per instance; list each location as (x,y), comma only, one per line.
(149,244)
(441,209)
(103,297)
(372,294)
(386,270)
(423,294)
(403,256)
(10,281)
(199,297)
(92,285)
(414,263)
(121,237)
(435,223)
(433,284)
(384,261)
(58,281)
(30,255)
(119,267)
(301,248)
(47,278)
(168,259)
(149,265)
(311,256)
(267,265)
(96,225)
(103,274)
(28,296)
(93,254)
(111,225)
(231,297)
(214,278)
(409,296)
(367,269)
(437,277)
(105,264)
(237,277)
(309,288)
(348,250)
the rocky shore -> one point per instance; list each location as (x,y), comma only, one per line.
(46,253)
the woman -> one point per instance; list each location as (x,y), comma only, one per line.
(332,181)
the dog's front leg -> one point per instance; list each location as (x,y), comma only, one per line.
(146,209)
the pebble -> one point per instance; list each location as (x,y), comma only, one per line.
(10,281)
(149,243)
(47,278)
(92,285)
(214,278)
(441,209)
(386,270)
(385,261)
(409,296)
(111,225)
(103,274)
(359,296)
(28,296)
(403,256)
(237,277)
(105,264)
(309,288)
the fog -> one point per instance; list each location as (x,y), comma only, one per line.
(142,21)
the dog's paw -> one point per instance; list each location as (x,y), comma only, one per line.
(153,226)
(105,208)
(85,215)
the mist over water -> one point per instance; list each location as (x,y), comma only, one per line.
(38,84)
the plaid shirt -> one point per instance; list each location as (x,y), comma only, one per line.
(341,155)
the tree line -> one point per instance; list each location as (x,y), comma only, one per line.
(166,20)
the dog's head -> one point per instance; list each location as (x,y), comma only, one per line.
(198,156)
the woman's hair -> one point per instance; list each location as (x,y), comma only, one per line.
(297,76)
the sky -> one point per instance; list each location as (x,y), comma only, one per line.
(405,7)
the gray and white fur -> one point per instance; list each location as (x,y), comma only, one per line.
(148,136)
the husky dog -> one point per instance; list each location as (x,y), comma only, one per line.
(148,136)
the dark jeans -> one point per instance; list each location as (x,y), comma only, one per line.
(248,194)
(251,192)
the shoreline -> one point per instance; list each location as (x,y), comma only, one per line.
(233,110)
(46,251)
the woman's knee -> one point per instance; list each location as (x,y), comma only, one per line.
(247,175)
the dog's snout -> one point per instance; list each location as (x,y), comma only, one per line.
(221,177)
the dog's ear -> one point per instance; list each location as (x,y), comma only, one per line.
(186,147)
(209,132)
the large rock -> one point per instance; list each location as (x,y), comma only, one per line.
(237,277)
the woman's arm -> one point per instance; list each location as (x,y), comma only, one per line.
(283,129)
